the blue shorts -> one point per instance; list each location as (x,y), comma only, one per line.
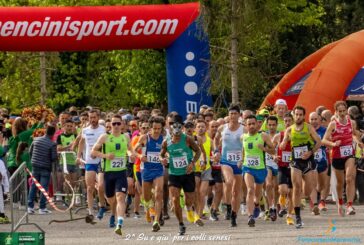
(92,167)
(274,170)
(321,166)
(236,170)
(258,174)
(148,175)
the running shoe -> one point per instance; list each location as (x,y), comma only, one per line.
(299,223)
(350,210)
(315,210)
(182,230)
(112,221)
(273,214)
(101,213)
(156,227)
(190,216)
(251,221)
(198,221)
(282,212)
(213,215)
(322,206)
(233,220)
(118,230)
(243,209)
(289,220)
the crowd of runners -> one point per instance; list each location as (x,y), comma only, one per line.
(262,164)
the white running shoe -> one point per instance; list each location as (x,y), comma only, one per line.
(350,210)
(243,209)
(31,211)
(44,211)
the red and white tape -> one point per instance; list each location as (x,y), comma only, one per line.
(49,199)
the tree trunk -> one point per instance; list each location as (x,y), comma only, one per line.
(234,51)
(43,78)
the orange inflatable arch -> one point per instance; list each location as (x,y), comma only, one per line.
(325,75)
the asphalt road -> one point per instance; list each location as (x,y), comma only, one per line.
(326,228)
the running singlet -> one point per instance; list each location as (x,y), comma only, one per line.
(118,146)
(153,149)
(253,155)
(301,141)
(285,154)
(280,127)
(68,157)
(207,147)
(231,145)
(320,154)
(180,155)
(137,161)
(269,160)
(345,134)
(91,135)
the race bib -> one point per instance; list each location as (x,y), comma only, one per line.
(253,161)
(118,163)
(233,156)
(268,157)
(286,156)
(180,162)
(318,155)
(299,151)
(346,150)
(153,157)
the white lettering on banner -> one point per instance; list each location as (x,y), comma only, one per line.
(191,106)
(80,29)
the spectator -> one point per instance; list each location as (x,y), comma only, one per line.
(43,153)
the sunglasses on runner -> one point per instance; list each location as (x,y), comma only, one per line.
(116,123)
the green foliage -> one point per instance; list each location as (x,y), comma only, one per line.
(274,36)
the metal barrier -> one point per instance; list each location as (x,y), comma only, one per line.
(18,189)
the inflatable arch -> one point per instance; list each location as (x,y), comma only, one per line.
(332,73)
(174,27)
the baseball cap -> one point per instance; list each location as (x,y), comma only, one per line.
(127,117)
(263,112)
(280,102)
(76,119)
(122,111)
(260,117)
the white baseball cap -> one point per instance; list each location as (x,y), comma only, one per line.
(281,102)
